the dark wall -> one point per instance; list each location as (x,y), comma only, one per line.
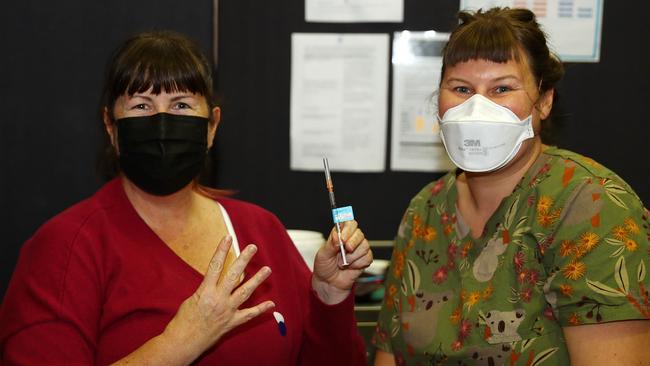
(52,63)
(51,70)
(253,141)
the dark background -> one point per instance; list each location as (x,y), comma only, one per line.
(51,70)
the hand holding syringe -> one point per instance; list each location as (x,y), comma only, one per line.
(339,215)
(333,278)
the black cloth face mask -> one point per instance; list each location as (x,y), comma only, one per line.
(163,152)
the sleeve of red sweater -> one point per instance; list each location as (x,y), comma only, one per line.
(331,335)
(51,310)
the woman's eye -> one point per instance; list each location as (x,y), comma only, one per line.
(501,89)
(182,105)
(462,90)
(140,106)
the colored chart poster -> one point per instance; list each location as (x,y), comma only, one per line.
(573,26)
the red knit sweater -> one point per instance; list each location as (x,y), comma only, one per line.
(95,283)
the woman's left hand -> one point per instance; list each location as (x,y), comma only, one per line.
(331,280)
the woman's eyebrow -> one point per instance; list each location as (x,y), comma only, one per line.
(183,96)
(457,80)
(506,77)
(497,79)
(142,96)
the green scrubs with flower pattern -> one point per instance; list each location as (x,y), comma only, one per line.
(569,246)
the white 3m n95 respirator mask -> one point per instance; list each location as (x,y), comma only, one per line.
(482,136)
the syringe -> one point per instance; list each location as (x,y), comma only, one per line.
(330,191)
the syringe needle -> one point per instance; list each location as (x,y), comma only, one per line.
(330,191)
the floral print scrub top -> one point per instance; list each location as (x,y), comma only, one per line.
(569,246)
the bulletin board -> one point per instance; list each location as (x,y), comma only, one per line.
(253,81)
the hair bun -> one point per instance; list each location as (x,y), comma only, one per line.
(465,17)
(523,15)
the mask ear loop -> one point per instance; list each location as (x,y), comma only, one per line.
(432,109)
(113,139)
(539,96)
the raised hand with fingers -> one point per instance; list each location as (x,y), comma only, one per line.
(331,280)
(213,310)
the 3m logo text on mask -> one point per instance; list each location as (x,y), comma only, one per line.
(472,143)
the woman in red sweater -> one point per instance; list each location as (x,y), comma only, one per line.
(155,269)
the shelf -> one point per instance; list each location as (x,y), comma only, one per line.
(381,243)
(367,313)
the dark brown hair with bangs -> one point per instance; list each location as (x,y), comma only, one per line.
(499,35)
(503,34)
(164,61)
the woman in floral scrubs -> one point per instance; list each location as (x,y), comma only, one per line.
(542,261)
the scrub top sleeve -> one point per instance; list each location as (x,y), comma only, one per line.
(600,257)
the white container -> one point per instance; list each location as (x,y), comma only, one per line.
(378,267)
(307,242)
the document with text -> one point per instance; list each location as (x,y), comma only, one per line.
(415,138)
(346,11)
(339,87)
